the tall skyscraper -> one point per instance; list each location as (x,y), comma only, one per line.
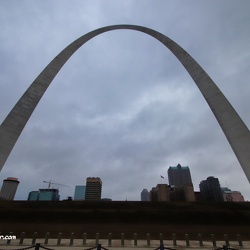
(179,176)
(210,189)
(9,188)
(144,195)
(80,192)
(93,189)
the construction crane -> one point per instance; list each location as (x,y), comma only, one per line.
(49,182)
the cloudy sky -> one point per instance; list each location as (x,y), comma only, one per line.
(123,108)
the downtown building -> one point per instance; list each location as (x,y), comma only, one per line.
(179,176)
(232,196)
(93,189)
(184,193)
(180,180)
(160,193)
(9,188)
(45,194)
(165,192)
(210,190)
(180,187)
(145,195)
(80,193)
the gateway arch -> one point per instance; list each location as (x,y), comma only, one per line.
(230,122)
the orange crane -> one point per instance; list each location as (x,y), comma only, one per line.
(49,182)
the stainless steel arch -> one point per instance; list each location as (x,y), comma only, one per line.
(232,125)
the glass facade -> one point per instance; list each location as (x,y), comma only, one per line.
(80,192)
(49,195)
(33,196)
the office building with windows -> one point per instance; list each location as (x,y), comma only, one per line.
(51,194)
(179,176)
(93,189)
(48,194)
(184,193)
(211,190)
(160,193)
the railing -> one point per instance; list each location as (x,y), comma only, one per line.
(37,246)
(134,241)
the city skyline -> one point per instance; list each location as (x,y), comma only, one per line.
(127,126)
(80,190)
(180,178)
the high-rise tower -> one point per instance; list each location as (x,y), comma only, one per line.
(93,189)
(179,176)
(210,189)
(9,188)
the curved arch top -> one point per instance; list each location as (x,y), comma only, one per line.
(232,125)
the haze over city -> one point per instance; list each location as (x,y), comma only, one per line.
(123,108)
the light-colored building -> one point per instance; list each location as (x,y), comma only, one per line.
(160,193)
(232,196)
(189,193)
(80,192)
(93,189)
(9,188)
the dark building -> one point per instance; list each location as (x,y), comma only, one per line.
(179,176)
(210,189)
(197,195)
(153,194)
(93,189)
(184,193)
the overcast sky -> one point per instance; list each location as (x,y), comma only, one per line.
(123,108)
